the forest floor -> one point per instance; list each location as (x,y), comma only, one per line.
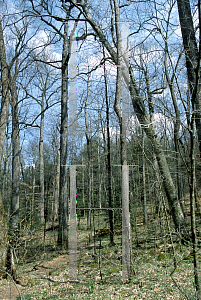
(162,268)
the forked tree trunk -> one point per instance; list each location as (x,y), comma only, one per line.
(177,123)
(141,113)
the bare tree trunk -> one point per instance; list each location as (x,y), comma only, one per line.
(192,56)
(14,212)
(3,239)
(125,167)
(56,192)
(5,93)
(144,181)
(33,197)
(149,128)
(141,113)
(109,169)
(7,261)
(83,192)
(3,123)
(177,123)
(63,196)
(89,161)
(192,205)
(157,185)
(99,173)
(41,159)
(5,171)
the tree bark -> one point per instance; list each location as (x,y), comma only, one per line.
(141,113)
(192,209)
(177,123)
(3,123)
(109,168)
(144,181)
(41,159)
(3,239)
(5,93)
(56,188)
(14,212)
(6,246)
(63,195)
(123,152)
(89,145)
(192,57)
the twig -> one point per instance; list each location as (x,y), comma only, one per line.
(13,282)
(180,288)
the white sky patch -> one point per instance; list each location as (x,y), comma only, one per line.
(40,42)
(177,31)
(91,54)
(93,63)
(57,56)
(113,132)
(196,19)
(40,39)
(150,53)
(30,166)
(161,123)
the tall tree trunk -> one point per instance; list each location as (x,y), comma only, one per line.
(192,56)
(89,145)
(63,195)
(5,170)
(14,212)
(99,172)
(177,123)
(144,181)
(192,206)
(109,168)
(3,239)
(5,93)
(3,123)
(157,185)
(141,113)
(7,261)
(83,191)
(33,197)
(123,153)
(41,159)
(56,191)
(149,128)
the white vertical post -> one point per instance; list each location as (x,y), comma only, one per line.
(73,228)
(125,224)
(125,168)
(73,132)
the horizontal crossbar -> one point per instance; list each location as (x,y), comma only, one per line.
(98,208)
(73,165)
(125,165)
